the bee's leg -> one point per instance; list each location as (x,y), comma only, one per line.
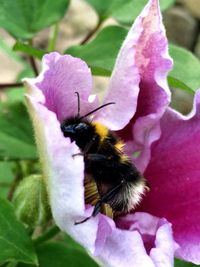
(85,220)
(98,157)
(90,144)
(106,197)
(87,148)
(77,154)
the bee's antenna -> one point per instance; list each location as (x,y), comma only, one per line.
(110,103)
(78,97)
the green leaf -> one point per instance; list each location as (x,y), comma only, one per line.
(127,12)
(100,53)
(24,18)
(17,94)
(15,244)
(28,49)
(186,67)
(58,254)
(177,84)
(8,50)
(180,263)
(101,7)
(6,177)
(123,11)
(16,135)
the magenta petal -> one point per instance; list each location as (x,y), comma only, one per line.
(60,78)
(153,64)
(174,176)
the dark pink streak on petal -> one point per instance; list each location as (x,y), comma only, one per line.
(174,177)
(153,63)
(61,77)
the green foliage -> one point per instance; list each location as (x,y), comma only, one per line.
(32,208)
(16,135)
(186,67)
(180,263)
(57,254)
(100,54)
(61,255)
(123,11)
(24,18)
(15,244)
(126,12)
(28,49)
(6,177)
(101,7)
(175,83)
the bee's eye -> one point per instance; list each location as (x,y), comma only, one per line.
(81,127)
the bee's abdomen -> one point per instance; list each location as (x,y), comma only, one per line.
(129,196)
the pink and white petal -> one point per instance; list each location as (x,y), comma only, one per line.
(156,234)
(125,248)
(153,63)
(139,149)
(60,78)
(105,228)
(174,177)
(124,84)
(163,253)
(64,173)
(140,240)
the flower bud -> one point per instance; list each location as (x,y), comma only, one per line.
(31,201)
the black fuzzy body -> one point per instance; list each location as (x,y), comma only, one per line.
(106,162)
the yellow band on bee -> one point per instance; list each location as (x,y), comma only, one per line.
(101,130)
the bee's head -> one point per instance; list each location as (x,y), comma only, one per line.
(73,128)
(79,129)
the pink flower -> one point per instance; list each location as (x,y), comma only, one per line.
(160,141)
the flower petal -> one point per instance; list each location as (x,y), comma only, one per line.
(124,84)
(153,64)
(174,174)
(64,173)
(60,78)
(156,234)
(125,248)
(163,253)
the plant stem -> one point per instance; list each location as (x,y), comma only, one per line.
(32,61)
(53,37)
(7,85)
(33,65)
(13,187)
(53,231)
(92,32)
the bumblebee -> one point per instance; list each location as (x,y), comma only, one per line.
(118,181)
